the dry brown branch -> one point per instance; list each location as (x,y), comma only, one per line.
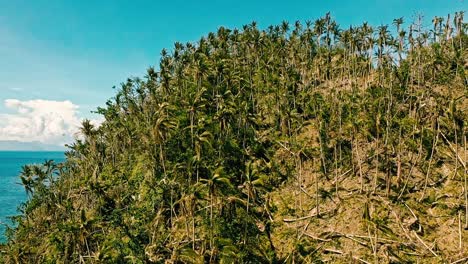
(454,151)
(460,260)
(317,238)
(335,251)
(424,244)
(380,240)
(313,214)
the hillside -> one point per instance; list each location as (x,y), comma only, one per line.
(300,143)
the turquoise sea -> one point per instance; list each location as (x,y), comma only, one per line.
(12,193)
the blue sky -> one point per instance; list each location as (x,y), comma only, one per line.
(78,50)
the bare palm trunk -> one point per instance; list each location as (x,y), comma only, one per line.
(466,186)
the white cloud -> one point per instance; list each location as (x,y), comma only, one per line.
(50,122)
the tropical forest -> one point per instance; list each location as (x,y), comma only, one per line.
(302,142)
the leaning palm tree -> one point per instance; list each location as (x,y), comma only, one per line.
(27,180)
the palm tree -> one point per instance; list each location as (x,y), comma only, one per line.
(436,21)
(253,181)
(366,35)
(216,185)
(382,40)
(27,180)
(401,34)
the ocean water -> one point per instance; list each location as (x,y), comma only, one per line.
(12,193)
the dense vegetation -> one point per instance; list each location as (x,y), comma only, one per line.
(294,144)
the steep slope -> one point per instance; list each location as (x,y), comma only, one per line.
(282,145)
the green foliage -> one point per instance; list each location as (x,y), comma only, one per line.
(186,164)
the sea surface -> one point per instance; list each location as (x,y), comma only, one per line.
(12,194)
